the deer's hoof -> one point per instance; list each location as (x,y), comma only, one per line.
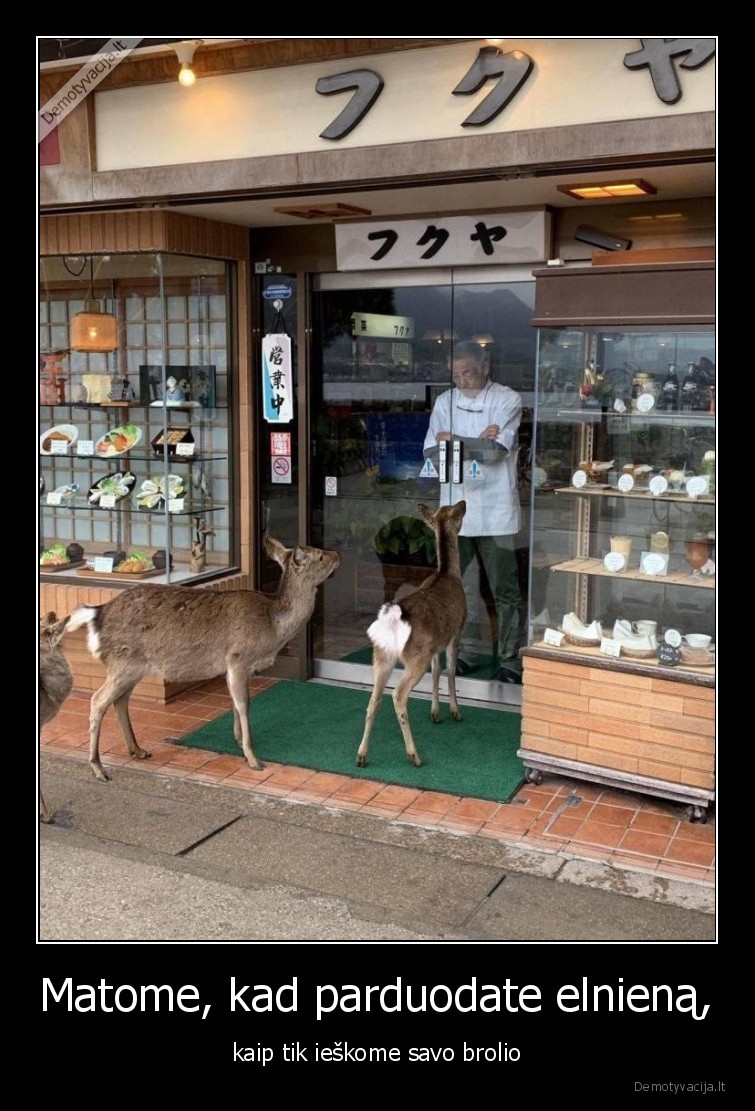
(416,760)
(435,716)
(142,755)
(101,774)
(361,761)
(455,714)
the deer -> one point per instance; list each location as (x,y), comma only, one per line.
(414,629)
(187,634)
(55,679)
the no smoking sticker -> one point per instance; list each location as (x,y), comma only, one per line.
(281,468)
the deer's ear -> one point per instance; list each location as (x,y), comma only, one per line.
(459,510)
(276,550)
(300,557)
(426,514)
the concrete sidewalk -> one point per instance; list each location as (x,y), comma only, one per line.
(154,858)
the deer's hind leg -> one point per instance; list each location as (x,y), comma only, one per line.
(414,669)
(237,679)
(121,709)
(382,665)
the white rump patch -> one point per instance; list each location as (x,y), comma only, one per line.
(389,631)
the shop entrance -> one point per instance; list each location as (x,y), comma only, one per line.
(381,356)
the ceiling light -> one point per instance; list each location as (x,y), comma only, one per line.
(93,329)
(185,54)
(603,190)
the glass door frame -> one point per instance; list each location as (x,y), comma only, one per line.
(491,692)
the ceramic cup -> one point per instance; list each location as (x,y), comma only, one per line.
(697,640)
(622,544)
(646,628)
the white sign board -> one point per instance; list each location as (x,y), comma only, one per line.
(492,238)
(277,381)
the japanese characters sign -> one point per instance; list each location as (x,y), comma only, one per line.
(379,324)
(277,381)
(505,237)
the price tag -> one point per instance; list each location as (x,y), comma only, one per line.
(673,638)
(101,563)
(626,483)
(85,447)
(658,485)
(653,563)
(59,447)
(645,402)
(175,505)
(579,479)
(553,637)
(185,449)
(614,562)
(107,501)
(697,486)
(668,655)
(53,499)
(610,647)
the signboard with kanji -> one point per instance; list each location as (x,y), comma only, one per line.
(277,381)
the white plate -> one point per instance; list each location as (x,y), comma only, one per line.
(70,431)
(106,439)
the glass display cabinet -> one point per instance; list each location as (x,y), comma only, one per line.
(620,663)
(134,452)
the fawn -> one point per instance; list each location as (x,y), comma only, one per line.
(416,628)
(183,634)
(55,680)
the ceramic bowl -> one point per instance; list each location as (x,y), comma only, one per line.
(697,640)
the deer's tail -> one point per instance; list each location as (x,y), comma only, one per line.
(86,615)
(390,631)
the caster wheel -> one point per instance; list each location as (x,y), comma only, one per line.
(533,775)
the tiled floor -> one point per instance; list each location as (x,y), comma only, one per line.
(562,816)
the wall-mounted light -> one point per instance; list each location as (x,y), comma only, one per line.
(483,340)
(185,54)
(605,190)
(92,329)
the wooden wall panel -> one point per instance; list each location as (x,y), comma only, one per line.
(84,233)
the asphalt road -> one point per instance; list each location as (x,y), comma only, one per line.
(149,858)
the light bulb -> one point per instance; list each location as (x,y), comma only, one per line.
(187,76)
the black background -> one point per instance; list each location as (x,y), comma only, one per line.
(560,1053)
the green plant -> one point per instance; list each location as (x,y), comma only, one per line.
(404,537)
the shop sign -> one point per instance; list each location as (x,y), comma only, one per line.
(381,325)
(277,384)
(498,238)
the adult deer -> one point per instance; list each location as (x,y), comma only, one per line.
(184,634)
(416,628)
(55,679)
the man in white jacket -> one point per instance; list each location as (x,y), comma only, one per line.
(485,416)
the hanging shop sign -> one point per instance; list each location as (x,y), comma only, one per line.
(277,380)
(520,236)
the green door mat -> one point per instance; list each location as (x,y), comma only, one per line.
(313,725)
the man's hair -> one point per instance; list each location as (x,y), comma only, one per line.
(468,349)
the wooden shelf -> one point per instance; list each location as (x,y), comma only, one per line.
(596,567)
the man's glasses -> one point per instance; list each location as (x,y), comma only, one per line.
(473,404)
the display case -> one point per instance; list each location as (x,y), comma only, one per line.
(134,453)
(620,658)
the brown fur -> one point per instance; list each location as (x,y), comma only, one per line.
(187,634)
(55,679)
(436,612)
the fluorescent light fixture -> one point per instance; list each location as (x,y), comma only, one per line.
(605,190)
